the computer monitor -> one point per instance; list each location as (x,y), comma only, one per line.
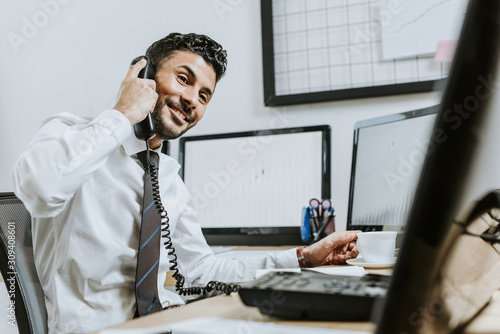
(425,296)
(249,188)
(388,154)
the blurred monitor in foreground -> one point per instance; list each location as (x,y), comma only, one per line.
(449,264)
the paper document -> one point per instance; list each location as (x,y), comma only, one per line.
(152,330)
(240,254)
(414,28)
(344,271)
(215,325)
(262,272)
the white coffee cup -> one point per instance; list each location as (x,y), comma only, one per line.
(377,247)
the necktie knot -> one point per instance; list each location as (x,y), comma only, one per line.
(148,158)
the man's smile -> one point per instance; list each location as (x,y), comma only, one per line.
(178,112)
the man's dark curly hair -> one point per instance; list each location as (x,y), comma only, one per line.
(211,51)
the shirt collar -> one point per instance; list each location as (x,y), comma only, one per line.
(133,145)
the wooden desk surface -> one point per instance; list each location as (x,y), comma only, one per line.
(231,307)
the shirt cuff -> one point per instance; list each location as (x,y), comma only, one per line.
(287,259)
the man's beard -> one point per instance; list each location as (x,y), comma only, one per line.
(161,128)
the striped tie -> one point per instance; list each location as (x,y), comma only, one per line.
(148,256)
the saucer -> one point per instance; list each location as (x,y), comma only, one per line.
(361,262)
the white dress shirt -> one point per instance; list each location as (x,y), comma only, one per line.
(83,185)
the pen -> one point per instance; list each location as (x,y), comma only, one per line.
(327,217)
(313,220)
(326,222)
(321,230)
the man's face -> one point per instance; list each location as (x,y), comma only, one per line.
(185,84)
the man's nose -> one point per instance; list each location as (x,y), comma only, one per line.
(190,97)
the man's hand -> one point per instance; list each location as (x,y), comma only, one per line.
(137,96)
(333,249)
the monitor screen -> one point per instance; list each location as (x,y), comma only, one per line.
(448,266)
(388,153)
(249,188)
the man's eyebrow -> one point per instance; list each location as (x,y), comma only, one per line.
(191,73)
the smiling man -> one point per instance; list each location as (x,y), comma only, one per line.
(185,82)
(82,182)
(194,85)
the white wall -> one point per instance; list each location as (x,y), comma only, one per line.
(78,56)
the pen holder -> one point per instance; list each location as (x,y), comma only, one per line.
(313,227)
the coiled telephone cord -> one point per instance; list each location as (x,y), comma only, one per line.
(227,288)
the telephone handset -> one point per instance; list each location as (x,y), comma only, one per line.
(145,130)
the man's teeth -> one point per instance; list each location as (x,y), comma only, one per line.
(180,115)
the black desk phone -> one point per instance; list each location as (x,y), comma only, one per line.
(317,296)
(145,130)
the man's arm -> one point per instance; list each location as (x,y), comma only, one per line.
(198,264)
(67,150)
(336,248)
(62,155)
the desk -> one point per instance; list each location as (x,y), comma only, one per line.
(232,307)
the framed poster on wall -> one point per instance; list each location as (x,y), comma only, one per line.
(325,50)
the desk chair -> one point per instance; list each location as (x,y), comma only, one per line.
(15,222)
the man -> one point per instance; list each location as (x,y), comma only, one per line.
(83,185)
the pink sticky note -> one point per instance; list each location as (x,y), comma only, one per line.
(445,50)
